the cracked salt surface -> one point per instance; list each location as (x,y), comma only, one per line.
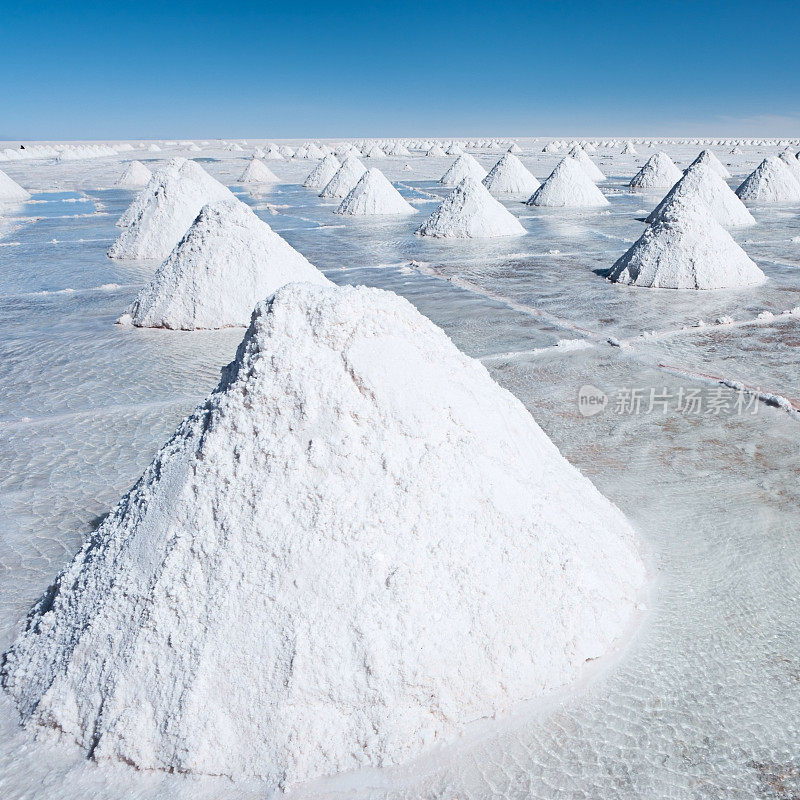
(704,703)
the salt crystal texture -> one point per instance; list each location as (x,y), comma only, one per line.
(772,181)
(321,175)
(227,261)
(569,186)
(374,195)
(509,176)
(468,212)
(257,171)
(163,211)
(658,173)
(345,179)
(708,158)
(135,175)
(701,185)
(465,165)
(11,191)
(686,249)
(357,545)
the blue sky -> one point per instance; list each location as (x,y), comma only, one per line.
(247,69)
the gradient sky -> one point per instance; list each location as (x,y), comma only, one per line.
(85,70)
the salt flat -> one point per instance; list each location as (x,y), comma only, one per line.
(704,703)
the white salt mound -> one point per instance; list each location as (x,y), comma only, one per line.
(790,159)
(628,150)
(468,212)
(436,150)
(509,176)
(464,166)
(227,261)
(658,173)
(569,186)
(375,152)
(257,171)
(162,212)
(588,166)
(708,158)
(11,191)
(345,179)
(357,545)
(515,149)
(772,181)
(702,186)
(135,176)
(374,195)
(686,249)
(321,175)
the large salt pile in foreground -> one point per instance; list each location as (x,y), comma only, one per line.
(464,166)
(772,181)
(568,186)
(227,261)
(163,211)
(589,167)
(257,171)
(659,172)
(510,176)
(374,195)
(345,179)
(356,546)
(709,159)
(468,212)
(321,175)
(701,184)
(135,176)
(11,191)
(686,249)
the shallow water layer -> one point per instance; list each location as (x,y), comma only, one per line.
(705,702)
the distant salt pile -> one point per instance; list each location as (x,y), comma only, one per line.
(345,179)
(374,195)
(436,151)
(454,150)
(470,212)
(286,151)
(257,171)
(629,149)
(374,152)
(227,262)
(82,152)
(397,149)
(569,186)
(551,147)
(791,160)
(702,185)
(11,191)
(313,151)
(772,181)
(509,176)
(134,176)
(658,173)
(321,175)
(708,158)
(586,163)
(154,148)
(515,149)
(464,166)
(272,153)
(163,211)
(337,560)
(686,249)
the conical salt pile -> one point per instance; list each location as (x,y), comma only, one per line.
(468,212)
(509,176)
(628,150)
(772,181)
(321,175)
(515,149)
(708,158)
(162,212)
(686,249)
(568,187)
(436,150)
(373,195)
(358,544)
(257,171)
(374,152)
(344,181)
(11,191)
(135,176)
(588,166)
(701,184)
(658,173)
(464,166)
(791,160)
(227,261)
